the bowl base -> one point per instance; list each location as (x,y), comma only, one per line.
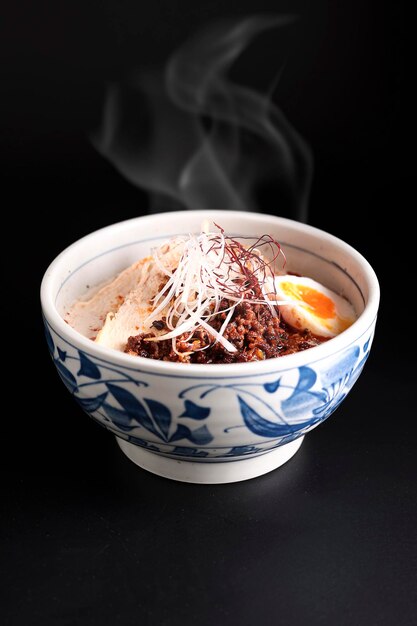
(209,473)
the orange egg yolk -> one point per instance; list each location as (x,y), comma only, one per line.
(322,305)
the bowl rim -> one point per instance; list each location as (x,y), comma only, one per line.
(336,344)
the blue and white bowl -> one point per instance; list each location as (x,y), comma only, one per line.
(208,423)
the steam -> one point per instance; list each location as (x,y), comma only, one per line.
(198,140)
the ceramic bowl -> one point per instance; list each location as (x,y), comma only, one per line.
(197,422)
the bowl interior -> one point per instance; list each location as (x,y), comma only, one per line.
(100,256)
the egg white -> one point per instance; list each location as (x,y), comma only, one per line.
(300,315)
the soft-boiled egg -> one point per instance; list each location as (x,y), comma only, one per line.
(312,306)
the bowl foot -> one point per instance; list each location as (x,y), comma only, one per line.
(209,473)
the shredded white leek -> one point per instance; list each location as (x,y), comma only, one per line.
(208,273)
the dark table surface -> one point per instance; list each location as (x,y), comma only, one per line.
(88,538)
(329,538)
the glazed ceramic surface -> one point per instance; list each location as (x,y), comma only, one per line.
(208,414)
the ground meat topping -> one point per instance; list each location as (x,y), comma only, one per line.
(253,330)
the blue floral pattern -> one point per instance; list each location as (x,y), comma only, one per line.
(262,413)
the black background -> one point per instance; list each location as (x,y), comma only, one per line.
(88,538)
